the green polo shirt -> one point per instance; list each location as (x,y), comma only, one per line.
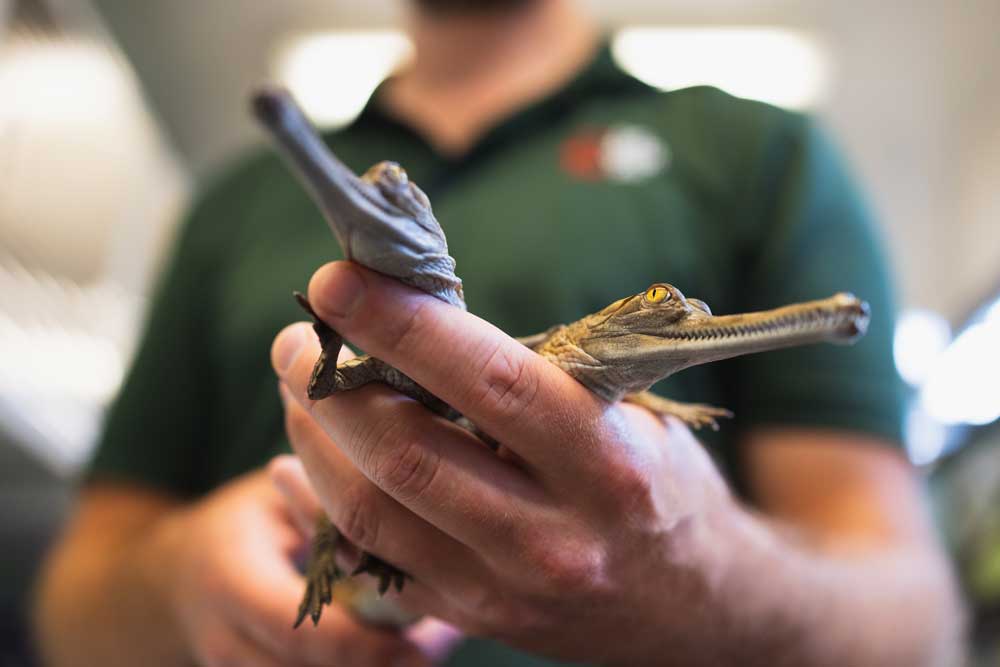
(591,194)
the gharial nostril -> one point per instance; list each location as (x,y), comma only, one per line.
(859,325)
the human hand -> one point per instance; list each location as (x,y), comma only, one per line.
(596,535)
(230,579)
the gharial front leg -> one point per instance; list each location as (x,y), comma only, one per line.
(694,415)
(323,380)
(329,378)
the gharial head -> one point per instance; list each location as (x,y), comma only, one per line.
(382,209)
(651,335)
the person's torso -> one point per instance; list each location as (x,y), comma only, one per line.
(561,211)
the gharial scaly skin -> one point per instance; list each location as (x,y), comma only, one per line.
(384,222)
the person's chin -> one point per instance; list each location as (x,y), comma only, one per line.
(471,6)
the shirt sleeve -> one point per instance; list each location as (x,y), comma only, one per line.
(816,237)
(160,423)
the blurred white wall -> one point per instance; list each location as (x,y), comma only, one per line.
(88,195)
(915,100)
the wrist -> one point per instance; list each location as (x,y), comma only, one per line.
(680,609)
(760,593)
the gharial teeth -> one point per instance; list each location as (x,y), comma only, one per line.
(796,322)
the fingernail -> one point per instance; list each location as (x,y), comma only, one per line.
(290,341)
(339,288)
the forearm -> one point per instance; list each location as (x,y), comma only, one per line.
(787,600)
(102,599)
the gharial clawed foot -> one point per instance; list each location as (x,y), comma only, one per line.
(321,573)
(695,415)
(387,574)
(323,382)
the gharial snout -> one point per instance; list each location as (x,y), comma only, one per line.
(856,315)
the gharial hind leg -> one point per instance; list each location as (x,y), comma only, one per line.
(694,415)
(321,572)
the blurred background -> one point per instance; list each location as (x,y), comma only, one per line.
(110,111)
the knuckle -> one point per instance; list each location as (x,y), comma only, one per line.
(398,461)
(357,519)
(569,566)
(409,472)
(373,439)
(630,489)
(505,384)
(405,333)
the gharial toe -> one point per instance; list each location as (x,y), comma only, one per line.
(386,573)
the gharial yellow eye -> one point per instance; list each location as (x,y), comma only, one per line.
(657,293)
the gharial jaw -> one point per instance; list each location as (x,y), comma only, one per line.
(638,341)
(382,219)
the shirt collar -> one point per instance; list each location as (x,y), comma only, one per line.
(599,78)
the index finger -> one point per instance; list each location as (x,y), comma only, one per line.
(516,396)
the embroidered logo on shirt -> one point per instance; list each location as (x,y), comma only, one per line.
(623,153)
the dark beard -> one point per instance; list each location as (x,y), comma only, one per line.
(471,7)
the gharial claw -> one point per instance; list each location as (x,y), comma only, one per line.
(387,574)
